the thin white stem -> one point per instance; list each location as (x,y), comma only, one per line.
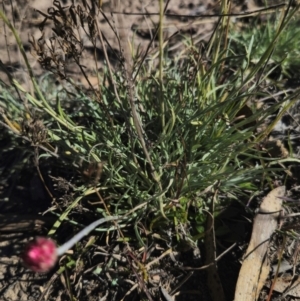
(69,244)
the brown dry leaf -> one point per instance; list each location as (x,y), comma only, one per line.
(287,285)
(276,148)
(255,268)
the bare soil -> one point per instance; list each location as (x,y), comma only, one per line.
(179,22)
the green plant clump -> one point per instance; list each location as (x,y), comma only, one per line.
(165,143)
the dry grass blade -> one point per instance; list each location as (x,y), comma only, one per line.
(23,223)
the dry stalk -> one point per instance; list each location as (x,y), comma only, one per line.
(128,72)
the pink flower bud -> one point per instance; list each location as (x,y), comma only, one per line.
(40,255)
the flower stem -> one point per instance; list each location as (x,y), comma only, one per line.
(69,244)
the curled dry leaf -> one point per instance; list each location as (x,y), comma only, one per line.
(255,268)
(287,284)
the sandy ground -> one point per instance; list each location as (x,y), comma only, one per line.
(139,28)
